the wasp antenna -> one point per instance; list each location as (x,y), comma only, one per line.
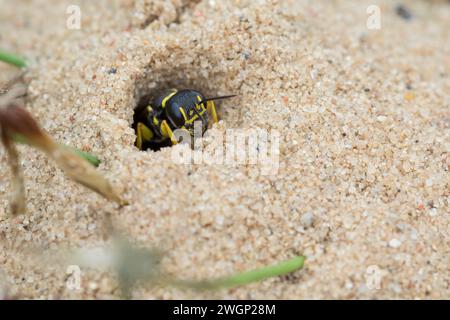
(218,98)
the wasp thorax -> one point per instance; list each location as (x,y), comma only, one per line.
(187,110)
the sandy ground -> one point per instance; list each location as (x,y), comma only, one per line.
(363,179)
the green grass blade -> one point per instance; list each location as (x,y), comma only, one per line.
(260,274)
(87,156)
(12,59)
(247,277)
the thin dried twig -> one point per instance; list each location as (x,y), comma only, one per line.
(14,96)
(84,173)
(18,196)
(14,84)
(17,124)
(16,121)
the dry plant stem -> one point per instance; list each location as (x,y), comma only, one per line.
(84,173)
(16,121)
(18,198)
(88,157)
(244,278)
(15,85)
(18,117)
(12,59)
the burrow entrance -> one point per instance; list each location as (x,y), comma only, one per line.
(145,96)
(139,110)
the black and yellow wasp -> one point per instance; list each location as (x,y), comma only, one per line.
(174,109)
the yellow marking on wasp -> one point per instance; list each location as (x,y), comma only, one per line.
(155,121)
(199,98)
(195,117)
(167,132)
(143,134)
(183,113)
(170,95)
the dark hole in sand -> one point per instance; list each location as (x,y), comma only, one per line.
(146,96)
(144,101)
(139,116)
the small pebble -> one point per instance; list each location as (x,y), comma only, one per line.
(403,12)
(394,243)
(307,219)
(93,285)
